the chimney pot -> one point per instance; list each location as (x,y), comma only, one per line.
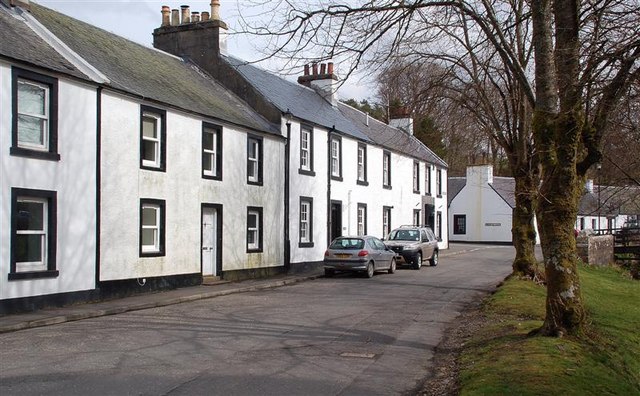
(166,16)
(330,68)
(185,14)
(175,17)
(195,16)
(314,67)
(306,70)
(215,10)
(204,16)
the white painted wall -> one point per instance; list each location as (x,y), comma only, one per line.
(184,190)
(74,180)
(488,215)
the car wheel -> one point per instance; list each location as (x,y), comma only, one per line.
(328,272)
(417,263)
(370,270)
(434,259)
(392,266)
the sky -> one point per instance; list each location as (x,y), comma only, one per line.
(136,19)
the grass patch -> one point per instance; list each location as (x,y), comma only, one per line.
(501,359)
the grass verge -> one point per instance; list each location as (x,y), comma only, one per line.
(500,359)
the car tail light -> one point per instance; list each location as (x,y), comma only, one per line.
(363,253)
(326,253)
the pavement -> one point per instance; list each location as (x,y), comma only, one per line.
(51,316)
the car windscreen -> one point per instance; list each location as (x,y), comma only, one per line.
(404,235)
(347,243)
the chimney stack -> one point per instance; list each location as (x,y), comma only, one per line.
(400,118)
(325,83)
(200,37)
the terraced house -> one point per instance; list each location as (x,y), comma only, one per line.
(127,169)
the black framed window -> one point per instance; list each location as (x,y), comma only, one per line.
(336,158)
(362,219)
(306,222)
(427,179)
(35,115)
(211,152)
(33,234)
(386,169)
(459,224)
(306,151)
(152,227)
(416,177)
(254,229)
(153,139)
(386,220)
(254,160)
(362,164)
(439,225)
(439,182)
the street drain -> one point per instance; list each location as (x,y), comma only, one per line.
(358,355)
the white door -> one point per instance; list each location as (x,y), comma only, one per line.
(209,222)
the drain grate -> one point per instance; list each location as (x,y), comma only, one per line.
(358,355)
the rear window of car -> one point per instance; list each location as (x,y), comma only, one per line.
(347,243)
(404,235)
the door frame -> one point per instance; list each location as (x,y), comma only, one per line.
(331,219)
(218,225)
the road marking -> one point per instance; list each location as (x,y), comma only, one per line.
(358,355)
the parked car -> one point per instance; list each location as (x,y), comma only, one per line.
(366,254)
(413,245)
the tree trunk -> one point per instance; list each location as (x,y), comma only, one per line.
(522,230)
(557,209)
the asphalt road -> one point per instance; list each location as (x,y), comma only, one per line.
(346,335)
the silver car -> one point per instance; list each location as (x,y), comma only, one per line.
(413,245)
(365,254)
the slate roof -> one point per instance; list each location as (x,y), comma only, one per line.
(390,137)
(303,102)
(613,201)
(21,43)
(454,186)
(506,189)
(149,73)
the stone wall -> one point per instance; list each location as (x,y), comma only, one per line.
(595,250)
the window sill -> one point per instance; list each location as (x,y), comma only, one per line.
(336,178)
(153,168)
(33,275)
(152,254)
(386,187)
(211,177)
(259,250)
(306,172)
(362,183)
(305,245)
(416,191)
(254,183)
(35,154)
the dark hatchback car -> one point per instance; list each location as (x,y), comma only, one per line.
(366,254)
(413,245)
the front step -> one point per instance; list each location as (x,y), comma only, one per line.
(212,280)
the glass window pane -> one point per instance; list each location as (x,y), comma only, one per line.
(207,161)
(31,130)
(251,237)
(149,150)
(29,248)
(207,140)
(31,98)
(149,216)
(252,220)
(30,216)
(149,236)
(253,149)
(149,127)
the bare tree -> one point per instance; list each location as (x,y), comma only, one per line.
(585,58)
